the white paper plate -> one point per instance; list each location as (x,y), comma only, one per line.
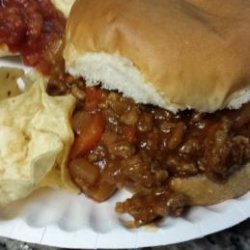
(65,220)
(71,221)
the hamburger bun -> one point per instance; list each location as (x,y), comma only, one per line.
(203,191)
(171,53)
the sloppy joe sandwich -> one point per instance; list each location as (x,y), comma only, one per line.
(163,102)
(162,91)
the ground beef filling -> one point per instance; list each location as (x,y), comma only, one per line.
(120,144)
(33,28)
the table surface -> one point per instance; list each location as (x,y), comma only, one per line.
(236,238)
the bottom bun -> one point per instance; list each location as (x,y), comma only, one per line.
(203,191)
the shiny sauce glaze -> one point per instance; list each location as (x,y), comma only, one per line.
(33,28)
(121,144)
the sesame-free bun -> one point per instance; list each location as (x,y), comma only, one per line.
(173,53)
(203,191)
(177,54)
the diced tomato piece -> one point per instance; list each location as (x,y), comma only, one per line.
(89,137)
(93,98)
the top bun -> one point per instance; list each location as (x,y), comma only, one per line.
(173,53)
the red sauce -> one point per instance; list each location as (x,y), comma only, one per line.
(33,28)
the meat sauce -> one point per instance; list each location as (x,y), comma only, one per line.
(121,144)
(33,28)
